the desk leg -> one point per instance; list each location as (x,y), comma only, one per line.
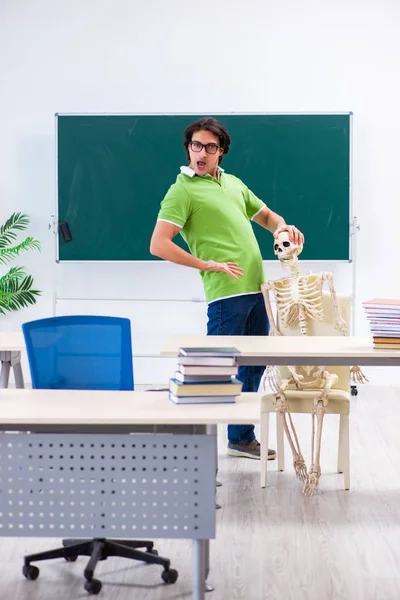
(5,369)
(199,568)
(213,430)
(209,588)
(11,359)
(17,368)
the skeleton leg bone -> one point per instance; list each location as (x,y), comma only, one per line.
(288,426)
(320,402)
(298,460)
(296,378)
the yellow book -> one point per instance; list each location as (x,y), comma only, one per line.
(205,389)
(387,346)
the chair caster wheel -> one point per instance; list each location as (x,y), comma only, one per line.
(30,572)
(153,551)
(93,586)
(170,576)
(71,558)
(209,588)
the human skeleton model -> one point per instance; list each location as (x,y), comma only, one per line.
(299,298)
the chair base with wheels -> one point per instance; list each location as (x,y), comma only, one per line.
(339,404)
(100,549)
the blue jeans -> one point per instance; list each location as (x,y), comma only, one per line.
(240,315)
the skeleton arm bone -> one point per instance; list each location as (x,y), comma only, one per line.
(271,379)
(339,322)
(265,288)
(357,376)
(356,373)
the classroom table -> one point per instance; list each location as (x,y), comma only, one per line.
(292,350)
(79,418)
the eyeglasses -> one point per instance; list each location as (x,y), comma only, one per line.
(209,148)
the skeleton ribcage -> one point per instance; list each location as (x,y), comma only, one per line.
(298,300)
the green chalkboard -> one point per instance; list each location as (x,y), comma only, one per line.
(113,171)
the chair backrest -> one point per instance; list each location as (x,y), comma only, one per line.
(325,327)
(80,353)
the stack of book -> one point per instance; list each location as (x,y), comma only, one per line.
(205,375)
(384,319)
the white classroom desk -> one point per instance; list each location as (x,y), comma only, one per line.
(292,350)
(89,411)
(11,346)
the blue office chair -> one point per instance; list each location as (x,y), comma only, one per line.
(86,353)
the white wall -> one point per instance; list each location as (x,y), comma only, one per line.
(176,56)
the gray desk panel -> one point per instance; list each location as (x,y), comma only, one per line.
(103,485)
(127,429)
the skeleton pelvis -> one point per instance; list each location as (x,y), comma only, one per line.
(309,374)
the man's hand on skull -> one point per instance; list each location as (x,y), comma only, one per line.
(295,235)
(230,268)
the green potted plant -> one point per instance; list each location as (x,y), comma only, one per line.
(15,286)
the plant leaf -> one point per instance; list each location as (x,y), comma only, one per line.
(16,293)
(13,273)
(15,285)
(8,254)
(17,221)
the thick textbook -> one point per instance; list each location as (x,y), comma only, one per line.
(383,302)
(215,361)
(209,351)
(202,378)
(232,388)
(204,370)
(202,399)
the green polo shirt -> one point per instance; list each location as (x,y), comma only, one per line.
(214,216)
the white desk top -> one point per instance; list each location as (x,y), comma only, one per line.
(292,350)
(65,407)
(12,341)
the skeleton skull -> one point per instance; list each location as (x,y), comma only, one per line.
(285,250)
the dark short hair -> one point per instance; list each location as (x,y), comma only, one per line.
(213,126)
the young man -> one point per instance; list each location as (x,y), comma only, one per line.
(212,211)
